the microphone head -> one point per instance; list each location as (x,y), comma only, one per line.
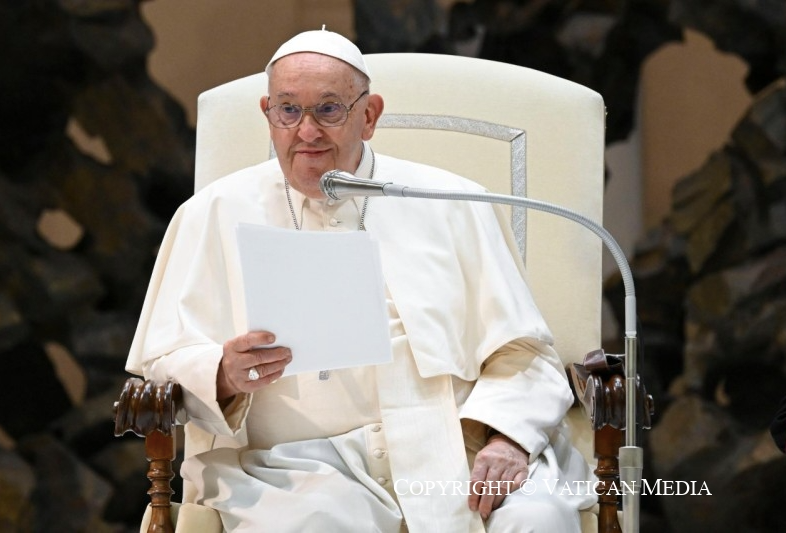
(327,182)
(338,185)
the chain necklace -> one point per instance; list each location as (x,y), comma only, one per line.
(361,226)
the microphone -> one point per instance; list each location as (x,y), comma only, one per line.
(338,185)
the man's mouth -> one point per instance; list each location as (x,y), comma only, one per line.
(311,152)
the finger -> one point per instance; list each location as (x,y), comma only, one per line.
(491,489)
(262,356)
(520,477)
(264,374)
(476,479)
(272,378)
(274,367)
(502,488)
(498,499)
(269,378)
(252,369)
(251,340)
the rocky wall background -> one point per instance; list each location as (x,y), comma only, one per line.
(94,158)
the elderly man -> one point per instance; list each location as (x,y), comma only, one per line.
(440,439)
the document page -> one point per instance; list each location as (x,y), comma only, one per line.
(321,293)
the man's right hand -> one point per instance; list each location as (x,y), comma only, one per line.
(245,352)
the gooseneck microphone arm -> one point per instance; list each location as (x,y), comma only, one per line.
(339,185)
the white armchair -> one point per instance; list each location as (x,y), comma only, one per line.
(512,129)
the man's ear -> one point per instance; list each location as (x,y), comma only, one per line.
(373,111)
(264,102)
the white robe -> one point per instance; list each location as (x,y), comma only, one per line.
(461,296)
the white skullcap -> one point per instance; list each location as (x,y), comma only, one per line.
(322,42)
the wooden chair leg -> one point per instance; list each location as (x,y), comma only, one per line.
(160,451)
(607,446)
(148,409)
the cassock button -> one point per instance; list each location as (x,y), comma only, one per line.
(333,222)
(379,454)
(377,427)
(331,201)
(381,480)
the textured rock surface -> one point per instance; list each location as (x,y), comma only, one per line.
(723,247)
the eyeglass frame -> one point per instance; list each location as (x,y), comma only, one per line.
(312,109)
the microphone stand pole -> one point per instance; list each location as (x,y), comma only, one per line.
(339,185)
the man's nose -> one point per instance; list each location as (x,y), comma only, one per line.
(309,129)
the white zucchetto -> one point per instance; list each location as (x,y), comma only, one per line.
(322,42)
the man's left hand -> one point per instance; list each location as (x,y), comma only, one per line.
(500,468)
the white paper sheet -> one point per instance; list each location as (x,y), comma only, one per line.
(321,293)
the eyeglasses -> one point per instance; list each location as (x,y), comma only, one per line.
(327,114)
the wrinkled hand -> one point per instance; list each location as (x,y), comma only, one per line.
(500,468)
(245,352)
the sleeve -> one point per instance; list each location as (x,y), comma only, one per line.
(186,318)
(196,370)
(522,392)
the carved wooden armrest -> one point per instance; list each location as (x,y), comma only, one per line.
(599,383)
(148,409)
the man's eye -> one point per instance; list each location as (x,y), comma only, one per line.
(289,109)
(329,108)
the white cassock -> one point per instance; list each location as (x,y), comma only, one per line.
(470,350)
